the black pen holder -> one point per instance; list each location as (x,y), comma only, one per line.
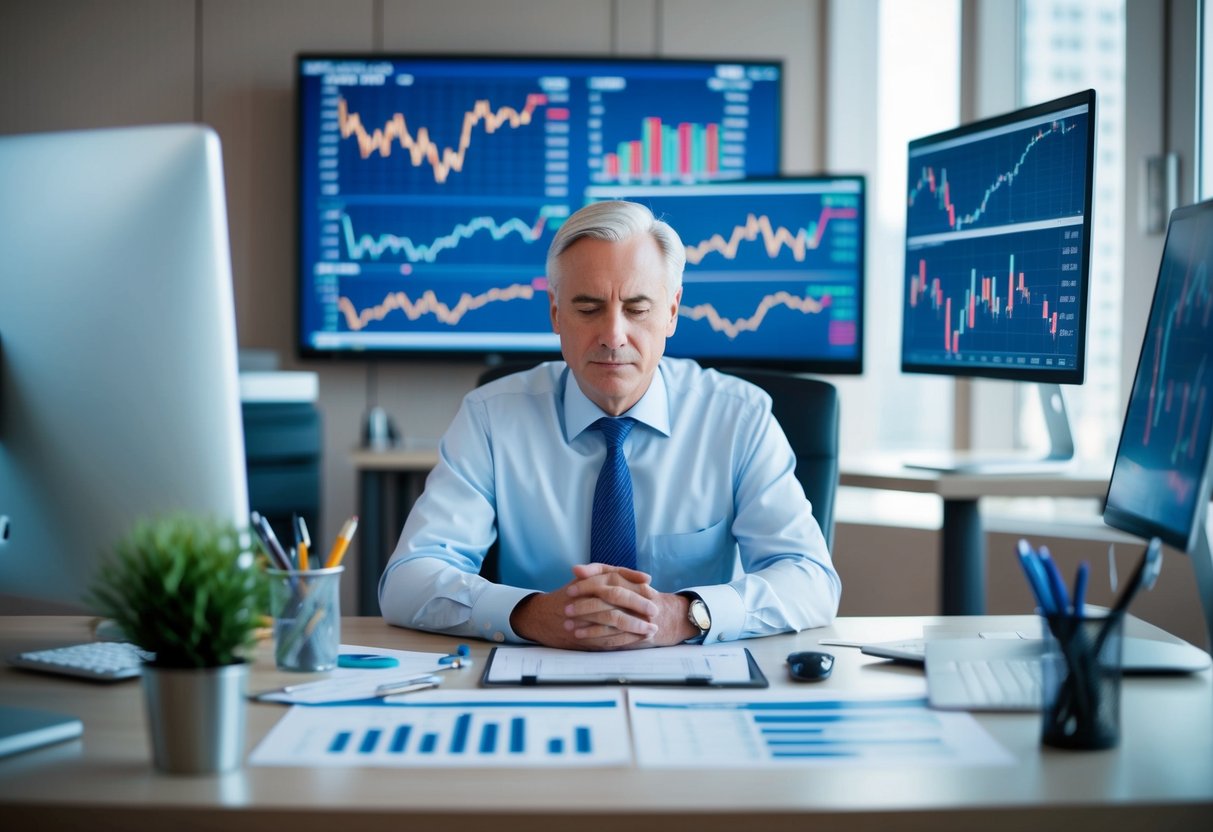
(1080,682)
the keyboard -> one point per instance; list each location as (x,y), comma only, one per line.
(984,675)
(1010,684)
(102,661)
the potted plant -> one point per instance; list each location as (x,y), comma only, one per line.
(186,590)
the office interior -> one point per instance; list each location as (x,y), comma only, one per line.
(229,64)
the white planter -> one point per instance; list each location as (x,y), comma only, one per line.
(196,717)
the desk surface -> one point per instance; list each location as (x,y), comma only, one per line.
(1161,776)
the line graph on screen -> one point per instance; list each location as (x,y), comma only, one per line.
(420,148)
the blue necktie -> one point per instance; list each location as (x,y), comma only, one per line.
(613,522)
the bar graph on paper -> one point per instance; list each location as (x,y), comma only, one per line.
(673,729)
(454,729)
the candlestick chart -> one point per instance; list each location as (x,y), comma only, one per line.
(1165,443)
(998,244)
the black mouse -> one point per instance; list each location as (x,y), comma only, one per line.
(810,666)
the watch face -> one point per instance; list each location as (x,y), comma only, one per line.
(699,615)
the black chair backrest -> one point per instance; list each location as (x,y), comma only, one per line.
(806,408)
(808,411)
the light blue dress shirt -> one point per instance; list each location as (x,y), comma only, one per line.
(719,511)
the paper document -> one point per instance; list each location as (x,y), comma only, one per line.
(693,664)
(348,685)
(456,728)
(690,729)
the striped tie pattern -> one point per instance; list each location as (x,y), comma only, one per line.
(613,522)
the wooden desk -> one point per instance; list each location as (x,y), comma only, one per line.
(1160,777)
(390,481)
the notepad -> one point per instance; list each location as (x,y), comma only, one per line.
(25,728)
(692,664)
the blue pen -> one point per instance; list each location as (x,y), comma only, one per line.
(1036,578)
(1080,589)
(1057,586)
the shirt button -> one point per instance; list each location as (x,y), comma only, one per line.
(498,636)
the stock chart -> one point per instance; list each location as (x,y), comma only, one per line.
(997,245)
(430,189)
(774,268)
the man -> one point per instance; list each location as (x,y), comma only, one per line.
(723,546)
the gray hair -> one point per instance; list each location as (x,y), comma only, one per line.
(615,222)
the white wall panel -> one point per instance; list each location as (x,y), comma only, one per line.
(786,29)
(551,26)
(81,64)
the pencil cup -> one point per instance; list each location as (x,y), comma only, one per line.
(306,607)
(1080,682)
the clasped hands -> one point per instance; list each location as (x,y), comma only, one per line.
(604,608)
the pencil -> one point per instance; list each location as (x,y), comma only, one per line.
(342,543)
(303,540)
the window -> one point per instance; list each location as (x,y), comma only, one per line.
(1066,46)
(915,86)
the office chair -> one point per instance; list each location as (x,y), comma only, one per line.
(808,411)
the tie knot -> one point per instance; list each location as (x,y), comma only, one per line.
(615,429)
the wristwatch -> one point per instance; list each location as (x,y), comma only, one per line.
(698,615)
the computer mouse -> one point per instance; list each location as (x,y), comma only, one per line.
(810,666)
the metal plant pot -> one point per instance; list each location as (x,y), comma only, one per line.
(196,717)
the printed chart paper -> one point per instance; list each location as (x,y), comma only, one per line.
(711,730)
(456,728)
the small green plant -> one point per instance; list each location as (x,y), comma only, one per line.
(184,588)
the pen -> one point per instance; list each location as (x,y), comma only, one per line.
(1036,578)
(1080,589)
(302,541)
(1144,577)
(342,542)
(409,689)
(272,547)
(1061,597)
(408,685)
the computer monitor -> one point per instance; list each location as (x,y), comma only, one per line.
(775,270)
(997,255)
(1162,474)
(430,187)
(119,394)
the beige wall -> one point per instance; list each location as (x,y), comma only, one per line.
(229,63)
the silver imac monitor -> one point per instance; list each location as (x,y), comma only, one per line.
(1161,477)
(119,394)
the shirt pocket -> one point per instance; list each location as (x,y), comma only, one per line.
(697,558)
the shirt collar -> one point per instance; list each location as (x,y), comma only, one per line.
(653,409)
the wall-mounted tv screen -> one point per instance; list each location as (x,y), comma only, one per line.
(774,272)
(430,186)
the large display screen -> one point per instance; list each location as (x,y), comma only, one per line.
(998,237)
(430,187)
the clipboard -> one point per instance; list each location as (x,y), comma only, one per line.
(692,665)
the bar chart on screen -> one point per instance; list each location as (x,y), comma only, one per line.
(455,729)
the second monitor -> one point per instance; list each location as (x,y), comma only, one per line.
(997,250)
